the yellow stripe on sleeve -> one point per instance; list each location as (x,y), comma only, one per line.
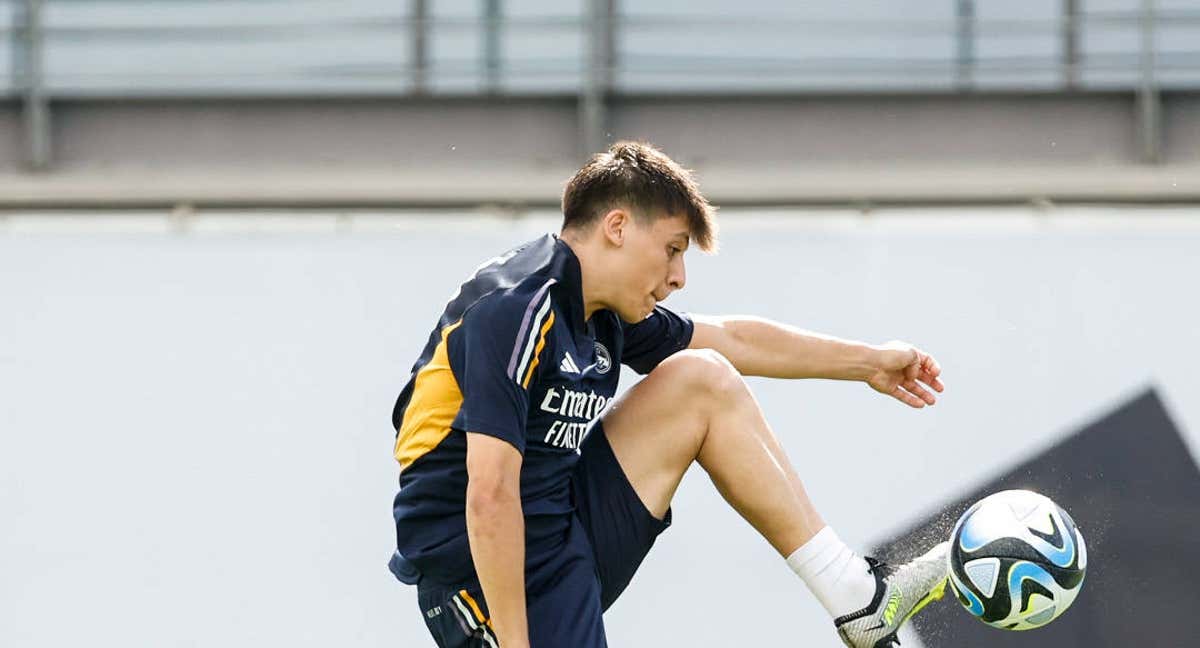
(538,350)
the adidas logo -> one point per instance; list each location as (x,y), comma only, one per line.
(568,364)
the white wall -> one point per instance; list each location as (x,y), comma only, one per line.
(194,438)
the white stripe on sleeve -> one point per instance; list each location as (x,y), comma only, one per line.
(534,333)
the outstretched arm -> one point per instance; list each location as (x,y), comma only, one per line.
(760,347)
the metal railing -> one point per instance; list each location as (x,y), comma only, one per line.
(58,50)
(418,52)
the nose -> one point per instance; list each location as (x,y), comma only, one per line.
(677,275)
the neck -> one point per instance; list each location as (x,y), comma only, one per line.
(593,299)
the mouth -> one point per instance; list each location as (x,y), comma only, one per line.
(651,302)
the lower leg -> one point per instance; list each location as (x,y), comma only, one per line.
(695,407)
(752,472)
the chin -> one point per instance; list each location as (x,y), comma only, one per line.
(633,316)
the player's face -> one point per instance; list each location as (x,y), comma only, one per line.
(653,265)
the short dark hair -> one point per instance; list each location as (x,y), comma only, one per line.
(638,176)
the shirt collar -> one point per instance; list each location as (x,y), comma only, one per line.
(565,267)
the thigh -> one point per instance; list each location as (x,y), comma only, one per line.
(619,528)
(656,428)
(562,600)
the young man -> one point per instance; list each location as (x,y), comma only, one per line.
(528,497)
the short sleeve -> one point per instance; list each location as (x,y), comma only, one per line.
(481,350)
(655,338)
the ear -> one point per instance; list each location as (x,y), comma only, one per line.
(615,225)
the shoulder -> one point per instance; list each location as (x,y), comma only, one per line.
(498,282)
(510,325)
(506,330)
(507,307)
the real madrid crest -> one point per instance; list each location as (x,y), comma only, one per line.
(603,359)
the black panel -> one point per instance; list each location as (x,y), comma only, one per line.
(1133,488)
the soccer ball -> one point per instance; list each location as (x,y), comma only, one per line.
(1017,560)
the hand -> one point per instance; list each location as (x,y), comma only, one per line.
(903,372)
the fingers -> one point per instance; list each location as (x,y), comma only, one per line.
(933,381)
(929,365)
(929,372)
(911,393)
(908,399)
(913,387)
(915,366)
(921,375)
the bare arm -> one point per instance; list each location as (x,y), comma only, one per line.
(496,530)
(760,347)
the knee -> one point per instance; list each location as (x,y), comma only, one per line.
(704,374)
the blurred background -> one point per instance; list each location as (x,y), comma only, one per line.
(227,227)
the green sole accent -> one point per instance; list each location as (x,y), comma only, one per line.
(934,594)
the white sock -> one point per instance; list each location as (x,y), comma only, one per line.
(837,576)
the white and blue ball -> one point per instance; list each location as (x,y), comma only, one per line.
(1017,561)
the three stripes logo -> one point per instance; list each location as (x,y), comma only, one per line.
(568,364)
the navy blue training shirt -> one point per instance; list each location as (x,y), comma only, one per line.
(513,358)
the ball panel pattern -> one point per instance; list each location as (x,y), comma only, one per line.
(1017,560)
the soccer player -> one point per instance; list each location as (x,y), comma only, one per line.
(529,496)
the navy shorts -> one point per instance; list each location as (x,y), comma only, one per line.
(568,586)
